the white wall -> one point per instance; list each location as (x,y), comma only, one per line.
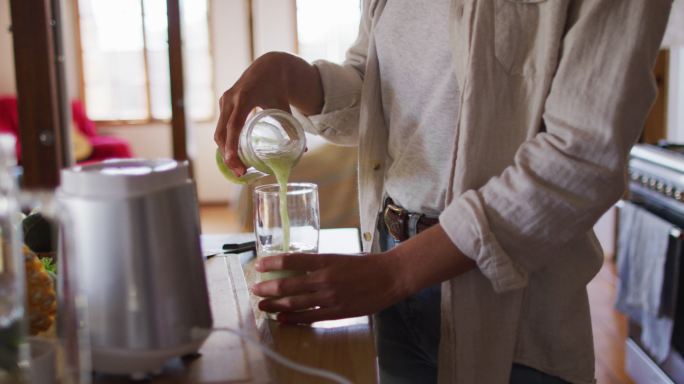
(675,96)
(148,141)
(275,26)
(7,84)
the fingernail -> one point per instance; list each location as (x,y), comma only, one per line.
(257,265)
(253,288)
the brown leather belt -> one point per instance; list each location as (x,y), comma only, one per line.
(402,224)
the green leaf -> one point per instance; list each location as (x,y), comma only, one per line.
(49,264)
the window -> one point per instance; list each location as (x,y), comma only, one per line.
(125,59)
(327,28)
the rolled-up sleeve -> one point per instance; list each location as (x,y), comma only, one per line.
(563,179)
(467,227)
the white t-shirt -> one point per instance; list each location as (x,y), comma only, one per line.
(420,99)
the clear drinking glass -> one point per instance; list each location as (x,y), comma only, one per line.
(271,225)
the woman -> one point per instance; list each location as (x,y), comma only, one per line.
(492,135)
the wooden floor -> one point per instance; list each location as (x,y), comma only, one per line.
(609,326)
(218,218)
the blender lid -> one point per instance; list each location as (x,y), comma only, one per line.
(123,178)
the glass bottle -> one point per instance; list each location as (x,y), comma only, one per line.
(59,354)
(269,140)
(14,350)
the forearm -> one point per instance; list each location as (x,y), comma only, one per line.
(304,87)
(427,259)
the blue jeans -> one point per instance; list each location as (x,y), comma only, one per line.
(407,338)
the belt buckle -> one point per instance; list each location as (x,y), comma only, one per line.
(397,226)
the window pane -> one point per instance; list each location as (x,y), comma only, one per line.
(113,42)
(113,61)
(197,63)
(156,34)
(196,59)
(327,28)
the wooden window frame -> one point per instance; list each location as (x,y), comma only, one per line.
(149,120)
(40,87)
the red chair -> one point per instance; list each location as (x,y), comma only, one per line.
(9,119)
(104,147)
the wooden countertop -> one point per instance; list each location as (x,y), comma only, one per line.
(345,346)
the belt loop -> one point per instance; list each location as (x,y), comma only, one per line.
(413,224)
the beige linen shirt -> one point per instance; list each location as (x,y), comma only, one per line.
(553,95)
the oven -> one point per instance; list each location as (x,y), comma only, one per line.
(656,185)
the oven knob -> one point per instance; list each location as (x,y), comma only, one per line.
(678,194)
(660,187)
(644,180)
(652,183)
(669,191)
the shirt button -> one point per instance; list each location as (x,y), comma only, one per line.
(367,236)
(376,166)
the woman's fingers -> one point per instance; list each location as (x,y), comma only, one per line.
(290,286)
(222,126)
(310,316)
(227,133)
(296,303)
(293,261)
(239,113)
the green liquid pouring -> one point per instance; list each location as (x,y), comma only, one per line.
(281,166)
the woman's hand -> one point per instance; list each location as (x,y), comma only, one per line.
(274,80)
(339,286)
(335,287)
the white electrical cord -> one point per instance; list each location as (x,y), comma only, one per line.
(280,359)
